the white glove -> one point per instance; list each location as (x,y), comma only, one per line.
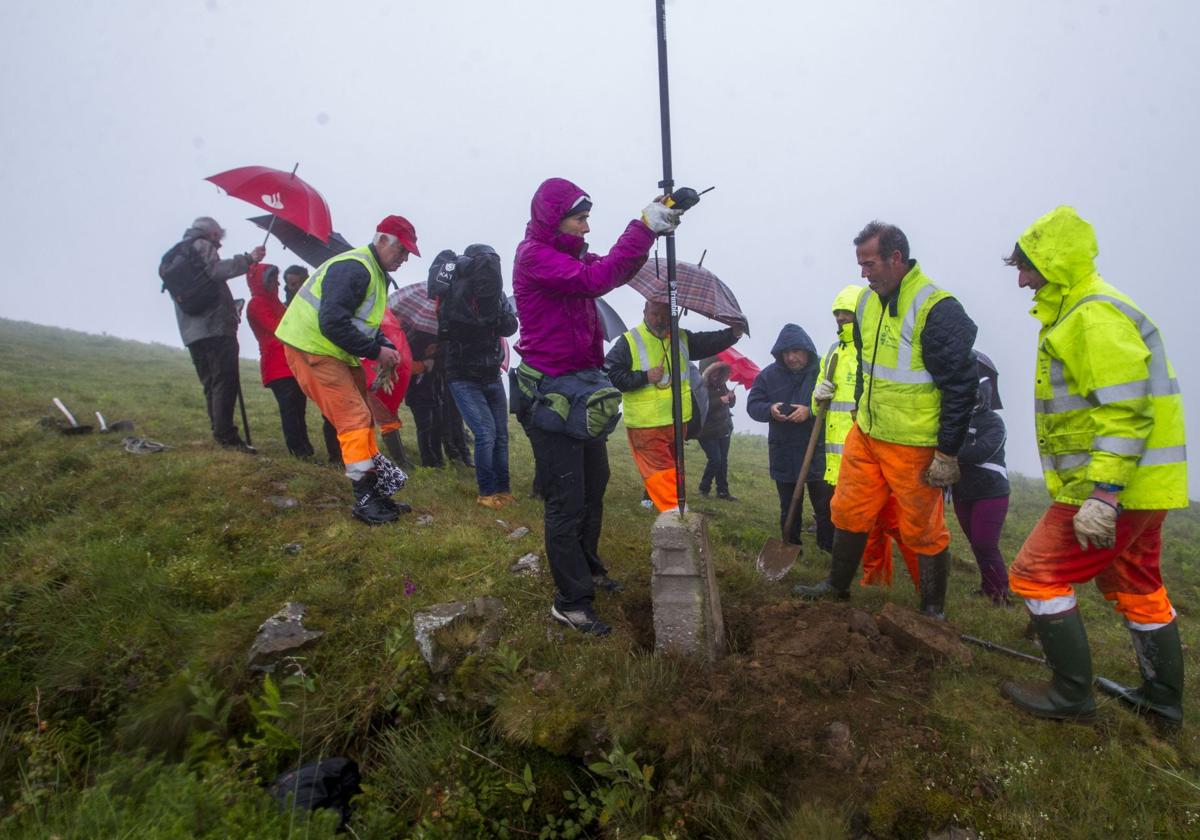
(824,390)
(1096,523)
(660,218)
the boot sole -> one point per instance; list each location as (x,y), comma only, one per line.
(1082,717)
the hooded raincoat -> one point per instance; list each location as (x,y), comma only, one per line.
(556,282)
(778,384)
(1106,401)
(263,313)
(221,319)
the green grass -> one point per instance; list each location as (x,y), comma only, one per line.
(131,588)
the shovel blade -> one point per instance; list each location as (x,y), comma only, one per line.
(776,558)
(76,430)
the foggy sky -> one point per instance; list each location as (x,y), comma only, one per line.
(959,121)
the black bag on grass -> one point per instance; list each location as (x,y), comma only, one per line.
(330,783)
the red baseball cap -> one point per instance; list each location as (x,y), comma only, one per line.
(402,229)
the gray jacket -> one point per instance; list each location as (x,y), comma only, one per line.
(222,317)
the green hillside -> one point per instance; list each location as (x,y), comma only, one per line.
(132,586)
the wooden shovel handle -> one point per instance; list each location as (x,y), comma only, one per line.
(798,493)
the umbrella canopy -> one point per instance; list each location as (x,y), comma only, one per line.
(307,247)
(699,290)
(987,370)
(741,369)
(414,309)
(280,193)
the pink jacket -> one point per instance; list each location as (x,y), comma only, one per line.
(555,282)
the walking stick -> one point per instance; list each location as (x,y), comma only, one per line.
(245,422)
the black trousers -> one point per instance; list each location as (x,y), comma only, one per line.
(573,475)
(819,495)
(429,434)
(292,405)
(454,433)
(216,362)
(333,447)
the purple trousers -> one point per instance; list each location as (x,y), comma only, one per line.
(981,521)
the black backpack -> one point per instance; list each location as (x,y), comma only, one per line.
(185,275)
(469,289)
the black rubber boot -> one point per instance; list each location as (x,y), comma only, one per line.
(369,506)
(1160,659)
(1068,695)
(934,573)
(395,448)
(847,552)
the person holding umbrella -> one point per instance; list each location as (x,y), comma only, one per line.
(333,322)
(555,283)
(211,334)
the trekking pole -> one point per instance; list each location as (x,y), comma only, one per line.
(245,422)
(667,184)
(995,648)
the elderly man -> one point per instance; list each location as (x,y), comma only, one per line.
(333,322)
(916,389)
(639,364)
(211,334)
(1110,430)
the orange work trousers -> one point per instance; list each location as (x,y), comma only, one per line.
(654,453)
(1127,574)
(877,556)
(875,471)
(340,392)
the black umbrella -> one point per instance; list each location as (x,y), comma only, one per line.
(987,370)
(613,325)
(307,247)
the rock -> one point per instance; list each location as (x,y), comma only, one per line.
(527,565)
(840,745)
(283,502)
(863,624)
(446,633)
(517,533)
(541,682)
(279,486)
(424,519)
(922,635)
(281,634)
(502,524)
(293,548)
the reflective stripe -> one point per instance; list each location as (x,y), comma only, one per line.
(1118,445)
(357,469)
(1067,461)
(904,352)
(359,319)
(1160,455)
(997,468)
(641,349)
(645,357)
(903,376)
(1152,626)
(842,406)
(1051,606)
(1115,393)
(834,448)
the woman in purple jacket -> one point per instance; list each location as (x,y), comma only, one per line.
(556,282)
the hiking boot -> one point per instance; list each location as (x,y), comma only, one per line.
(238,445)
(606,583)
(1068,695)
(369,506)
(934,573)
(506,497)
(1160,659)
(704,491)
(727,496)
(847,552)
(584,620)
(647,504)
(493,502)
(399,507)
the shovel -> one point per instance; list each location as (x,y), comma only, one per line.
(74,428)
(777,557)
(119,426)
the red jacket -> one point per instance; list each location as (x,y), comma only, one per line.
(392,331)
(264,313)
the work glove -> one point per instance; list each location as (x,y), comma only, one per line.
(942,470)
(824,390)
(1096,523)
(660,218)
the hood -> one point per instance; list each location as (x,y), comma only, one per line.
(204,227)
(550,204)
(715,371)
(793,337)
(257,275)
(1061,246)
(983,397)
(847,299)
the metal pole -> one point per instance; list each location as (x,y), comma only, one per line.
(668,184)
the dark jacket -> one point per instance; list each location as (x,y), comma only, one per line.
(618,362)
(424,387)
(777,384)
(946,345)
(342,292)
(718,422)
(222,317)
(981,458)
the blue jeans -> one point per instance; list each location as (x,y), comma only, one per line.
(484,407)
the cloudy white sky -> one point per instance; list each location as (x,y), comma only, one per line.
(959,121)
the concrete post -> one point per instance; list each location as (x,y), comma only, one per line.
(683,589)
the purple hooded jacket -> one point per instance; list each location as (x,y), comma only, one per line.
(556,282)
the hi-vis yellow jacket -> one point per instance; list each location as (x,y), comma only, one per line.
(1107,406)
(837,418)
(650,407)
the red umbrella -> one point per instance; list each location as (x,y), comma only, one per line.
(280,193)
(698,290)
(413,308)
(741,370)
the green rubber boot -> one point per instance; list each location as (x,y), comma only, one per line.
(1160,659)
(1068,695)
(847,552)
(934,573)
